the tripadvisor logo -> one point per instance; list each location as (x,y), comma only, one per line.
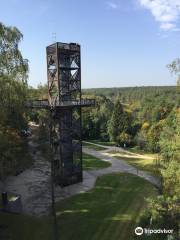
(139,231)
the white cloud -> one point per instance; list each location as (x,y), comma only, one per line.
(112,5)
(167,26)
(166,12)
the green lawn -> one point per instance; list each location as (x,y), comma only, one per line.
(109,211)
(145,162)
(90,162)
(140,151)
(92,146)
(103,143)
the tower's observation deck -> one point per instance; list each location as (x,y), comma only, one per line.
(64,75)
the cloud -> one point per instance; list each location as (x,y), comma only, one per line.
(112,5)
(166,12)
(167,26)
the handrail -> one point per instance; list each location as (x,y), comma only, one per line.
(70,103)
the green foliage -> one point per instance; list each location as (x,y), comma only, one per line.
(153,136)
(165,208)
(40,93)
(12,103)
(134,95)
(144,108)
(141,139)
(171,179)
(13,92)
(95,120)
(115,127)
(12,63)
(164,212)
(170,137)
(124,138)
(119,124)
(174,67)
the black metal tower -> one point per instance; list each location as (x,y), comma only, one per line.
(65,102)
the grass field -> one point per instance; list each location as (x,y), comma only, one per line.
(103,143)
(90,162)
(92,146)
(145,162)
(140,151)
(109,211)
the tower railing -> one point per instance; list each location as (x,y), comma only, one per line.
(69,103)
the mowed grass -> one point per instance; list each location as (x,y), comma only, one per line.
(20,227)
(92,146)
(90,162)
(109,211)
(148,165)
(103,143)
(145,162)
(136,150)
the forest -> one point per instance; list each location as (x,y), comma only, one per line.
(148,119)
(142,118)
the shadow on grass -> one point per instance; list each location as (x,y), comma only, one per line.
(109,211)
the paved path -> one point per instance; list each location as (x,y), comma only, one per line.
(34,184)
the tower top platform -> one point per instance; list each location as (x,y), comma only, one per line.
(65,46)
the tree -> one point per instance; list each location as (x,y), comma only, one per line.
(119,122)
(95,120)
(13,92)
(170,137)
(153,136)
(164,209)
(13,78)
(174,68)
(12,64)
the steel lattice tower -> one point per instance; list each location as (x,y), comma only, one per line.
(64,97)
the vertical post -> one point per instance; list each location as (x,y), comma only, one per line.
(81,155)
(55,227)
(57,67)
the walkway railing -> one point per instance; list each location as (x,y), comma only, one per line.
(45,103)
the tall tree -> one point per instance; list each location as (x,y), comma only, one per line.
(13,90)
(174,68)
(12,64)
(13,77)
(119,122)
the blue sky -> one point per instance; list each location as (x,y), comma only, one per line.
(124,42)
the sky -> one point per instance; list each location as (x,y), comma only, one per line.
(123,42)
